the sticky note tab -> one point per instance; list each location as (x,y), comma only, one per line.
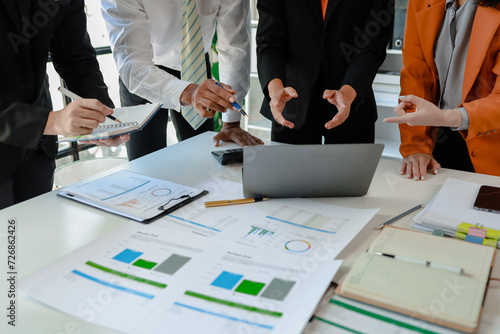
(438,233)
(464,228)
(477,232)
(490,242)
(473,239)
(493,234)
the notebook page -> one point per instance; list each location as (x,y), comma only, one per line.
(139,114)
(474,259)
(131,118)
(415,288)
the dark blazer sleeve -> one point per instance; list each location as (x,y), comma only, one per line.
(22,124)
(271,43)
(22,114)
(74,57)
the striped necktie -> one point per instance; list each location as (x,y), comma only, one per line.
(193,63)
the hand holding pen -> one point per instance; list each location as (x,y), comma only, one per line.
(235,104)
(77,118)
(80,117)
(73,96)
(209,97)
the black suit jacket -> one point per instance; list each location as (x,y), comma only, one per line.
(30,30)
(293,41)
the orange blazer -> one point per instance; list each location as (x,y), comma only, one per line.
(481,87)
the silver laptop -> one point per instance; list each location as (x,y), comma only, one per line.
(334,170)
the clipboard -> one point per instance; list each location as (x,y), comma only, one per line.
(133,195)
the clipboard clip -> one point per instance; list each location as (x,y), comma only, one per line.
(162,208)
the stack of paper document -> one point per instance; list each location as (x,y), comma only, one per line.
(452,206)
(253,268)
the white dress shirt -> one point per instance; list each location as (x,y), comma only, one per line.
(145,33)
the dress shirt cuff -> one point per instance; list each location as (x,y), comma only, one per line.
(465,121)
(231,116)
(176,92)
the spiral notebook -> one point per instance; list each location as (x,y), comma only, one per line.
(132,119)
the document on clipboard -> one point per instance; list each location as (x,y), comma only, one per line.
(132,195)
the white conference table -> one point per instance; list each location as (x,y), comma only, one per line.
(49,227)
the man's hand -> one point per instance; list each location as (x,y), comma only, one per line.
(426,113)
(342,99)
(233,132)
(77,118)
(280,95)
(208,98)
(415,166)
(110,142)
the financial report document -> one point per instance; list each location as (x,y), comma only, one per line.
(140,278)
(292,226)
(260,267)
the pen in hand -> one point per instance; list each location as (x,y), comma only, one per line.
(71,95)
(236,105)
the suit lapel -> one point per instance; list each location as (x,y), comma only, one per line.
(24,8)
(429,21)
(12,8)
(330,9)
(316,11)
(483,30)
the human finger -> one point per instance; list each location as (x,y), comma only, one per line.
(278,117)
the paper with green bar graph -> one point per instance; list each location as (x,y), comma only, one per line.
(143,278)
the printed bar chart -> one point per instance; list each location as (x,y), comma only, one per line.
(172,264)
(127,256)
(259,231)
(169,266)
(144,264)
(250,287)
(233,304)
(227,280)
(278,289)
(125,275)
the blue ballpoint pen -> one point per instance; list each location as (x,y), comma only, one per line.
(236,105)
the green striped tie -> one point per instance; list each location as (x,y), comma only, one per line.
(193,63)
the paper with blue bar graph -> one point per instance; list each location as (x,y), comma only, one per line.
(148,279)
(259,268)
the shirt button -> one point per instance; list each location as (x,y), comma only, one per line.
(475,153)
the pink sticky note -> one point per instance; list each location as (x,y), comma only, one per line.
(477,232)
